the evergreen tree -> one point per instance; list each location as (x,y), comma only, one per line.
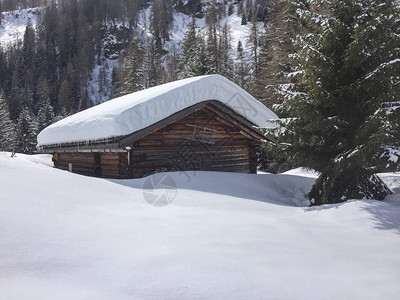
(153,67)
(25,133)
(6,126)
(17,92)
(161,19)
(213,25)
(27,96)
(64,96)
(102,80)
(45,115)
(193,60)
(172,63)
(256,81)
(262,9)
(278,68)
(42,91)
(28,47)
(70,94)
(62,115)
(226,62)
(351,69)
(202,56)
(244,20)
(254,39)
(242,70)
(131,74)
(389,156)
(135,72)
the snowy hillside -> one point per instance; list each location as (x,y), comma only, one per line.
(13,25)
(224,236)
(238,32)
(99,86)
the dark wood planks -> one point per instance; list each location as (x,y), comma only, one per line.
(171,149)
(220,143)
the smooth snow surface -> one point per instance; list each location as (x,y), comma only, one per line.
(302,172)
(225,236)
(130,113)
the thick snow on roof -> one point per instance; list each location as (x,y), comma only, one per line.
(133,112)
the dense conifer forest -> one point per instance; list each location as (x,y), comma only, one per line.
(81,53)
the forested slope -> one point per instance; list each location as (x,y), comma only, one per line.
(75,54)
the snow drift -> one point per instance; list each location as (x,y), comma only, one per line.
(225,236)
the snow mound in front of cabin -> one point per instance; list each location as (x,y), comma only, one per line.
(224,236)
(304,172)
(133,112)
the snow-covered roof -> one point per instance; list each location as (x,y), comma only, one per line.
(130,113)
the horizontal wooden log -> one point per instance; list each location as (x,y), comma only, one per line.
(190,149)
(186,139)
(75,155)
(110,174)
(227,164)
(232,138)
(83,170)
(195,159)
(74,160)
(109,168)
(187,152)
(194,164)
(109,157)
(146,172)
(62,167)
(88,166)
(206,156)
(110,163)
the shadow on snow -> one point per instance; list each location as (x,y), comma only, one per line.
(280,189)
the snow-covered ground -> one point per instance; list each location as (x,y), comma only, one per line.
(224,236)
(14,23)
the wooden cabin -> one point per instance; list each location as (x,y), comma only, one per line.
(208,135)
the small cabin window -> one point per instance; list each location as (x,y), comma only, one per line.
(202,134)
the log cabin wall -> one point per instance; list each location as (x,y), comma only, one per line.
(108,165)
(200,141)
(203,140)
(82,163)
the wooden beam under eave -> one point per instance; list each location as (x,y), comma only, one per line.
(160,124)
(66,150)
(247,129)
